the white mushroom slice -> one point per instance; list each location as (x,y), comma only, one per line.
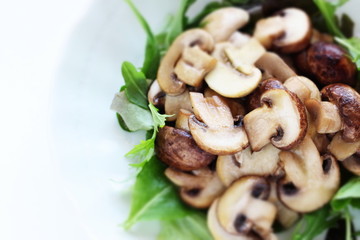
(303,87)
(326,116)
(239,39)
(224,22)
(341,149)
(288,31)
(284,215)
(216,133)
(280,120)
(236,108)
(155,94)
(194,65)
(230,83)
(182,120)
(274,66)
(173,104)
(310,181)
(262,163)
(198,189)
(166,76)
(243,207)
(244,58)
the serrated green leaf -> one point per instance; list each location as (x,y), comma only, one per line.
(136,85)
(154,197)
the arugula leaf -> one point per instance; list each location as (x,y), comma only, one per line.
(152,51)
(312,224)
(145,150)
(122,123)
(136,86)
(178,22)
(134,117)
(353,46)
(154,197)
(328,10)
(346,195)
(191,227)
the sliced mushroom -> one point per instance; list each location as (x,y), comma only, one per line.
(347,101)
(243,208)
(222,23)
(177,148)
(310,180)
(168,80)
(239,39)
(216,133)
(262,163)
(199,188)
(284,215)
(244,58)
(330,64)
(288,31)
(303,87)
(353,163)
(182,120)
(281,120)
(156,96)
(273,66)
(325,115)
(341,149)
(173,104)
(321,37)
(194,65)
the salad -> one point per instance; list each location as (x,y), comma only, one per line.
(252,118)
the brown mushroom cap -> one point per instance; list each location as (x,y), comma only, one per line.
(310,180)
(177,148)
(199,188)
(166,77)
(280,120)
(330,64)
(288,31)
(243,208)
(222,23)
(348,102)
(217,133)
(262,163)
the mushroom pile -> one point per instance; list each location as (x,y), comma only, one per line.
(259,124)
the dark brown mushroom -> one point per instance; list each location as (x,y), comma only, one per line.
(329,63)
(347,101)
(177,148)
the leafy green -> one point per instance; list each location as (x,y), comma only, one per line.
(312,224)
(178,22)
(152,51)
(193,227)
(154,197)
(133,117)
(136,86)
(122,123)
(145,150)
(348,194)
(353,46)
(328,10)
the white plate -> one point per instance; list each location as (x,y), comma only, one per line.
(89,145)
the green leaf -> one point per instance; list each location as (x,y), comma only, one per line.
(152,51)
(122,123)
(133,116)
(191,227)
(328,10)
(346,194)
(142,152)
(353,46)
(154,197)
(136,85)
(158,119)
(178,23)
(313,224)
